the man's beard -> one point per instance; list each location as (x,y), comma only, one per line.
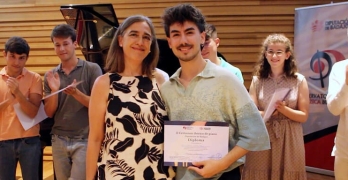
(185,57)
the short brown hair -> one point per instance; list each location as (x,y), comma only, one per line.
(18,45)
(64,31)
(181,13)
(210,31)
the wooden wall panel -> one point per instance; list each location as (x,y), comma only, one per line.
(241,24)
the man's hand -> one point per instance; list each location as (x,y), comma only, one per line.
(71,90)
(12,84)
(207,168)
(53,80)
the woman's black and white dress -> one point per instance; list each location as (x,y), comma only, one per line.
(133,142)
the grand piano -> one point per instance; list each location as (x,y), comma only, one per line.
(96,25)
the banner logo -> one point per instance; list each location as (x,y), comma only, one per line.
(317,25)
(318,66)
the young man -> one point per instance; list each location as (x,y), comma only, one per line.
(209,51)
(23,87)
(69,108)
(337,101)
(201,90)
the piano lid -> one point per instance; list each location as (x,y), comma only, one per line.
(95,26)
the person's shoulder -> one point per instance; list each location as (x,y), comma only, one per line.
(229,66)
(103,79)
(226,78)
(255,78)
(299,76)
(222,72)
(160,76)
(91,64)
(340,64)
(167,86)
(32,73)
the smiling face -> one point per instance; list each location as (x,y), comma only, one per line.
(185,39)
(64,48)
(136,41)
(276,55)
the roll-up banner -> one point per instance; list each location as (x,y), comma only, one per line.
(321,39)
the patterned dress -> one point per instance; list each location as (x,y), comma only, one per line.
(133,142)
(286,158)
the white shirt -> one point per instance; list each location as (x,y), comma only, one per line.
(337,102)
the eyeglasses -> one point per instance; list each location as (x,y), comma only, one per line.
(271,53)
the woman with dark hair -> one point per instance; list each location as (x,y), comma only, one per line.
(277,69)
(126,109)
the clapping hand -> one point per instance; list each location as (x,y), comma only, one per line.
(71,89)
(53,80)
(12,84)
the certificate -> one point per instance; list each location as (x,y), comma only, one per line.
(279,95)
(191,141)
(71,85)
(25,120)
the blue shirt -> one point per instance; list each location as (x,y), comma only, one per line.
(231,68)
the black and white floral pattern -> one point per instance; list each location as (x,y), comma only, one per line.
(133,142)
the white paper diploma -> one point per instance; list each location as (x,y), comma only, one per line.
(25,120)
(187,141)
(77,83)
(279,95)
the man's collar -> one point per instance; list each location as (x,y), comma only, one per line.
(3,72)
(79,64)
(207,72)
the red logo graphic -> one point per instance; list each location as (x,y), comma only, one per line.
(317,26)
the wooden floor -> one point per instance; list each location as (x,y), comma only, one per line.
(48,169)
(314,176)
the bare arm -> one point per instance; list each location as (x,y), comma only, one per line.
(301,114)
(160,76)
(30,106)
(82,98)
(98,102)
(4,104)
(51,105)
(78,95)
